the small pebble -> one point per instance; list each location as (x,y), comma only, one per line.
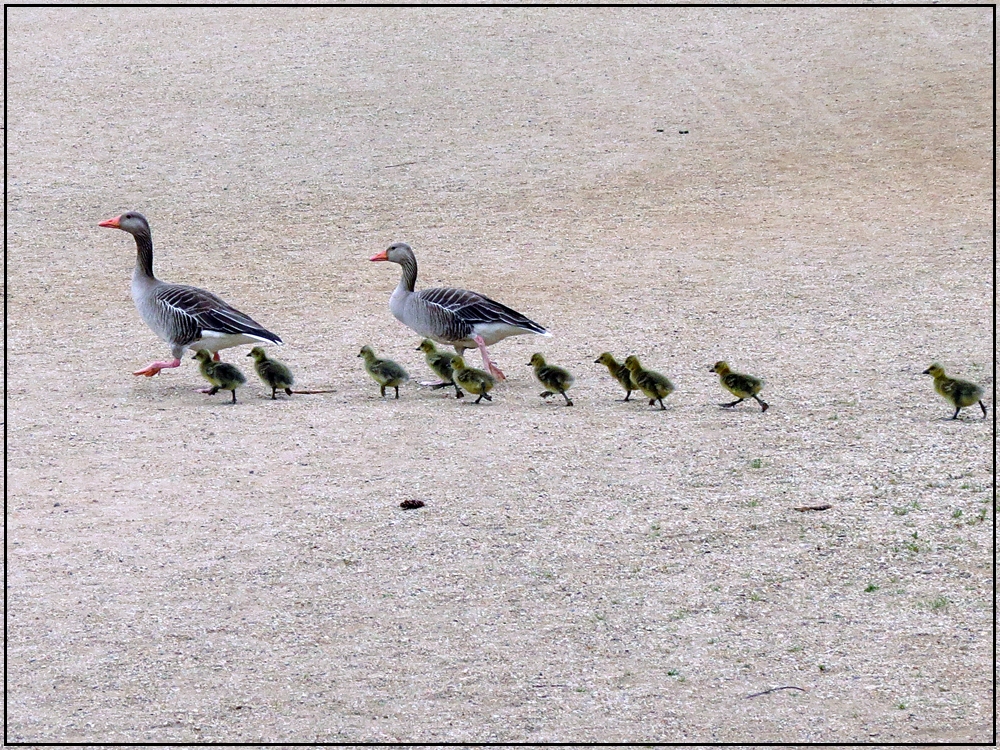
(411,504)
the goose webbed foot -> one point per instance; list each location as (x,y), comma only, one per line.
(288,391)
(763,405)
(153,368)
(481,397)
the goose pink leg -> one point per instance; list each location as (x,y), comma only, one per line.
(154,368)
(487,362)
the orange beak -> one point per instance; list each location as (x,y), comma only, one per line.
(113,223)
(381,256)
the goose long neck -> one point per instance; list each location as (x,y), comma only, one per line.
(144,256)
(408,280)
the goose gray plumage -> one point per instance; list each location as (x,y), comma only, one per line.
(457,317)
(186,317)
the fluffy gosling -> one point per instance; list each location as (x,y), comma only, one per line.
(741,386)
(656,386)
(473,380)
(555,379)
(221,375)
(272,372)
(618,371)
(385,372)
(958,393)
(440,363)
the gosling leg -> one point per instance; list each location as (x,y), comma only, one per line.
(983,407)
(763,406)
(568,402)
(397,391)
(546,394)
(383,390)
(726,406)
(627,394)
(273,391)
(481,397)
(213,390)
(955,415)
(234,395)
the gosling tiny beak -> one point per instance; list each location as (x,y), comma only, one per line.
(926,372)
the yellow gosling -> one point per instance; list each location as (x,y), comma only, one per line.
(385,372)
(274,374)
(222,375)
(618,371)
(555,379)
(958,393)
(473,380)
(740,385)
(440,364)
(656,386)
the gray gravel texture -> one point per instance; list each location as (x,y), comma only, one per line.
(180,569)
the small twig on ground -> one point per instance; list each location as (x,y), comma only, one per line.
(401,164)
(785,687)
(803,508)
(306,393)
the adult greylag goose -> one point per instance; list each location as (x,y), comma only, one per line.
(186,317)
(440,363)
(221,375)
(740,385)
(618,371)
(473,380)
(275,374)
(554,378)
(385,372)
(457,317)
(656,386)
(958,393)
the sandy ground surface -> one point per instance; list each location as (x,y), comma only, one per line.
(180,569)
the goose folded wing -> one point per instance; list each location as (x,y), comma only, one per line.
(475,308)
(198,308)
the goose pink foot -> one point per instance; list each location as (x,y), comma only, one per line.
(491,368)
(154,368)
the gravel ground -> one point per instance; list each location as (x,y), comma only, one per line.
(805,193)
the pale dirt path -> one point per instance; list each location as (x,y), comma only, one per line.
(183,570)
